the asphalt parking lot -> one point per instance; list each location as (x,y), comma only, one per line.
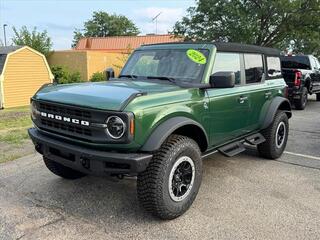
(244,197)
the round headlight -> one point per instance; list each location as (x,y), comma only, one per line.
(34,111)
(115,127)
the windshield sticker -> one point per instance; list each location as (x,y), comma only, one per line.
(196,56)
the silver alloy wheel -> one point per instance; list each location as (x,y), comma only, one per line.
(281,134)
(181,178)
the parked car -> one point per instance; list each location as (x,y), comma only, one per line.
(172,105)
(302,74)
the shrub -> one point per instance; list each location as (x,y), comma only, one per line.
(63,75)
(98,77)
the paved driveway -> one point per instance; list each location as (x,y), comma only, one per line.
(244,197)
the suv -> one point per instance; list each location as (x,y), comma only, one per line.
(172,105)
(302,74)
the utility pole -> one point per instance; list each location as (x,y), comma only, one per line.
(4,34)
(155,19)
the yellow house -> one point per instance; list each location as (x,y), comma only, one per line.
(23,71)
(88,62)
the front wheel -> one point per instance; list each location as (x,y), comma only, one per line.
(171,182)
(276,136)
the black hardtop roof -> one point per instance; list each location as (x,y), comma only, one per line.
(232,47)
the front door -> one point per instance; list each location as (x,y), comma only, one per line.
(228,107)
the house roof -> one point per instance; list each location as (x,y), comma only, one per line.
(122,43)
(4,51)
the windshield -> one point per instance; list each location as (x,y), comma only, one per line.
(169,64)
(299,62)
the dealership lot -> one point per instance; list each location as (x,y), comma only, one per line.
(244,197)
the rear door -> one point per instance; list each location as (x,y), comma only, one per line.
(256,88)
(228,107)
(263,87)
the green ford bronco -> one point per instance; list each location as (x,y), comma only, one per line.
(171,106)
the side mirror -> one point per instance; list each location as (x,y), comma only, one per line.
(109,73)
(222,80)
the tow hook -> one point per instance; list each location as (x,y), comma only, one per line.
(85,162)
(119,176)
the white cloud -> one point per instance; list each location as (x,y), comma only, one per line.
(166,20)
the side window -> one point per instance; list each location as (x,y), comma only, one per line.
(228,62)
(274,67)
(253,67)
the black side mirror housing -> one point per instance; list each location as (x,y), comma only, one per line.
(109,73)
(222,80)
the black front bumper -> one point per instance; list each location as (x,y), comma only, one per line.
(89,161)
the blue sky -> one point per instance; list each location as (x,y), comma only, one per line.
(60,17)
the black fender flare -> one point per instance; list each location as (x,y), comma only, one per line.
(165,129)
(276,104)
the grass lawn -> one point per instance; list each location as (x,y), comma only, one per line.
(14,140)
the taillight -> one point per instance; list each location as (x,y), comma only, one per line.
(297,78)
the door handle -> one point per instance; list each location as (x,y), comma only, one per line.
(242,99)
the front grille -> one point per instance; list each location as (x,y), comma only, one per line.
(70,129)
(64,110)
(65,127)
(93,132)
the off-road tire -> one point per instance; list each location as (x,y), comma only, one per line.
(318,96)
(153,183)
(62,171)
(300,104)
(269,149)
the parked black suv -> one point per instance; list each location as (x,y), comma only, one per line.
(302,74)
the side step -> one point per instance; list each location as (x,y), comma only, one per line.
(235,148)
(255,139)
(232,149)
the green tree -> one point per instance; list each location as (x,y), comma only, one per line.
(273,23)
(103,24)
(39,41)
(63,75)
(98,77)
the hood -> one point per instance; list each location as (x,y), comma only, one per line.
(112,95)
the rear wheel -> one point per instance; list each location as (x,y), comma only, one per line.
(62,171)
(301,103)
(172,180)
(276,136)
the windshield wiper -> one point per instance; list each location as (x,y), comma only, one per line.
(129,76)
(170,79)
